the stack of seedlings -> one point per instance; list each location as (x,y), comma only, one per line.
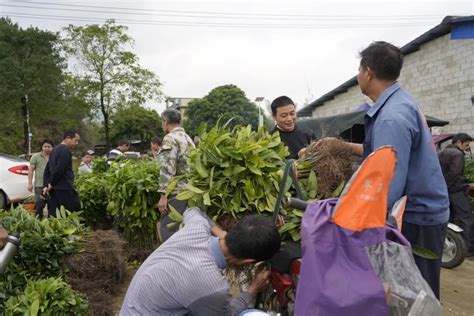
(322,173)
(331,160)
(234,173)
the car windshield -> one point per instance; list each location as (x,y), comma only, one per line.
(12,158)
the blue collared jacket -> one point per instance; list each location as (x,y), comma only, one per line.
(396,120)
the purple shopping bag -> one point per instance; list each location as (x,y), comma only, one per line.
(354,264)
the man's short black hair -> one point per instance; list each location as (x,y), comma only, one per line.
(123,142)
(69,133)
(156,140)
(385,60)
(254,237)
(47,141)
(462,137)
(171,116)
(279,102)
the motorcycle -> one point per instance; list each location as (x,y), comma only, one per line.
(280,297)
(285,266)
(454,250)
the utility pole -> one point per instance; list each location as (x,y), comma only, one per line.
(26,126)
(258,100)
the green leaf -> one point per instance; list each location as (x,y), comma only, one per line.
(312,185)
(34,308)
(295,234)
(185,195)
(287,227)
(174,215)
(194,189)
(423,252)
(171,186)
(298,213)
(339,189)
(254,170)
(200,169)
(69,231)
(207,199)
(172,225)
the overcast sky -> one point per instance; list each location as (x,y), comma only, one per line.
(268,48)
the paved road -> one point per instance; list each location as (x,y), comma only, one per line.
(457,289)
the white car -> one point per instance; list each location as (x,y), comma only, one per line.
(13,180)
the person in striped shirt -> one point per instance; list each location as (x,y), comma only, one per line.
(184,275)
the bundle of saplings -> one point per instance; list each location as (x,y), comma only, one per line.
(322,173)
(332,162)
(235,172)
(92,189)
(132,194)
(32,283)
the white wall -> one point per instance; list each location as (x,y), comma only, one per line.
(441,77)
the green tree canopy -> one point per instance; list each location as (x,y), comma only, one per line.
(31,90)
(224,102)
(109,75)
(31,65)
(136,122)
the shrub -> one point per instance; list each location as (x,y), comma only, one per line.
(51,296)
(44,244)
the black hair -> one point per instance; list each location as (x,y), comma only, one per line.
(69,133)
(385,60)
(279,102)
(462,137)
(47,141)
(123,142)
(156,140)
(171,116)
(254,237)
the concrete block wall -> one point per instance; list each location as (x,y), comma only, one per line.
(441,77)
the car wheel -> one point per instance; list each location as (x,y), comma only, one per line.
(3,200)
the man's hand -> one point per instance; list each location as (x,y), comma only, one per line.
(301,152)
(260,281)
(163,205)
(218,232)
(3,237)
(30,187)
(47,189)
(471,189)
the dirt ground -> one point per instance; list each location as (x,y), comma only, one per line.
(457,289)
(121,295)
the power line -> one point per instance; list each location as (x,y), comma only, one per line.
(128,9)
(196,15)
(207,24)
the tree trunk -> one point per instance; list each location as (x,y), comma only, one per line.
(26,127)
(106,123)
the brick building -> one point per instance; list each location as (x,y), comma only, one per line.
(438,70)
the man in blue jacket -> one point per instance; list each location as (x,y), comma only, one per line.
(395,119)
